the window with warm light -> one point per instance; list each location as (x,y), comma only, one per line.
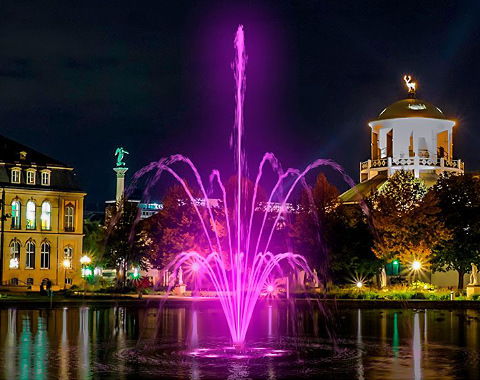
(15,176)
(30,215)
(45,256)
(31,177)
(69,217)
(30,255)
(14,254)
(45,178)
(46,217)
(16,215)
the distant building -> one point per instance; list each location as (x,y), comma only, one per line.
(43,218)
(411,135)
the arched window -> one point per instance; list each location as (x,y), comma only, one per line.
(14,254)
(69,217)
(14,281)
(30,281)
(30,255)
(16,215)
(46,216)
(45,256)
(30,215)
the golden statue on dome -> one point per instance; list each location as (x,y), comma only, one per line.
(410,85)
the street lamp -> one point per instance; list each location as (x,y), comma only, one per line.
(66,265)
(85,260)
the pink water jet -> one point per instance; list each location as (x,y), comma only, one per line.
(239,275)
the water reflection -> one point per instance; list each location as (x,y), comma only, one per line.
(86,342)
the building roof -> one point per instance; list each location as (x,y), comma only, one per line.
(411,108)
(10,153)
(363,189)
(14,154)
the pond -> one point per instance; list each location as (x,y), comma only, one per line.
(191,341)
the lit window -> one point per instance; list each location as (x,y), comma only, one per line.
(30,215)
(16,215)
(69,217)
(46,216)
(68,256)
(30,255)
(31,177)
(45,178)
(15,175)
(14,254)
(45,256)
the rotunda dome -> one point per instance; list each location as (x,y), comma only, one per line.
(411,107)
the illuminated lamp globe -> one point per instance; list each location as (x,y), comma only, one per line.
(85,260)
(270,288)
(66,263)
(359,284)
(195,267)
(416,265)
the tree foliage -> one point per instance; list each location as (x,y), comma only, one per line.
(175,229)
(459,202)
(406,219)
(124,241)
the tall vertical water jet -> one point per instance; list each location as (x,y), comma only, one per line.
(240,271)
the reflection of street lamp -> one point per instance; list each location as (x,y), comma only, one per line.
(66,265)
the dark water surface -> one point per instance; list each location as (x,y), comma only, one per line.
(192,342)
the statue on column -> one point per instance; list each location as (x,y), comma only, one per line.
(120,152)
(474,275)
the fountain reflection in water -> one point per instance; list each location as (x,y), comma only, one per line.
(240,271)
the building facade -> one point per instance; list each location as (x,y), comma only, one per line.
(42,229)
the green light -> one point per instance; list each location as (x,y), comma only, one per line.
(395,262)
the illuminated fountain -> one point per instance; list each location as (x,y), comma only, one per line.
(242,272)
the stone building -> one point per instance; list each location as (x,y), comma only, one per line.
(42,219)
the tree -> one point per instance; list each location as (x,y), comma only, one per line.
(175,229)
(459,201)
(93,236)
(124,242)
(310,226)
(406,219)
(350,241)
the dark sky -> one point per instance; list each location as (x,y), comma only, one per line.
(79,78)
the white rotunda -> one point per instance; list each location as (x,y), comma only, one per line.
(411,134)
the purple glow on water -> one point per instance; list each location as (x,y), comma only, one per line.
(241,272)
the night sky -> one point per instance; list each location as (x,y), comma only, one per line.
(78,79)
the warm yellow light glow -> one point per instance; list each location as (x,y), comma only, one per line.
(416,265)
(85,260)
(66,263)
(359,284)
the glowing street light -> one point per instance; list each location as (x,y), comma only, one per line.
(416,265)
(270,288)
(85,260)
(195,267)
(359,284)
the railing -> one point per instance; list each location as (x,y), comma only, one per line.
(411,161)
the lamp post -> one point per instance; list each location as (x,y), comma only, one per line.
(85,260)
(66,265)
